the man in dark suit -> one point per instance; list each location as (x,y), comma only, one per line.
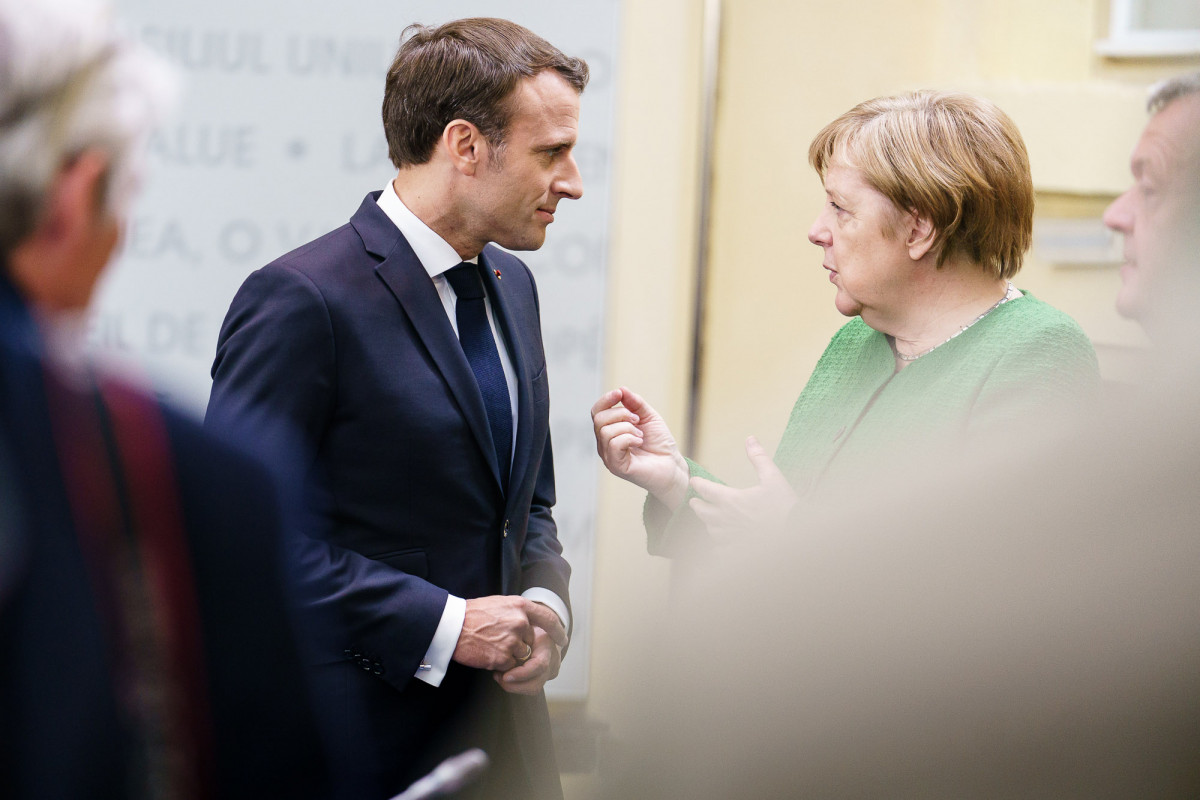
(147,619)
(407,350)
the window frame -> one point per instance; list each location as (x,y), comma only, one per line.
(1126,41)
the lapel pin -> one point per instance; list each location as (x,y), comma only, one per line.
(497,273)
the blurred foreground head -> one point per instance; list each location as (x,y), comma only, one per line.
(77,101)
(1020,625)
(1159,216)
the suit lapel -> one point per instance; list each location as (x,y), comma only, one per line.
(408,281)
(502,307)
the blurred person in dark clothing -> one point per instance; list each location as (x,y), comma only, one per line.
(150,646)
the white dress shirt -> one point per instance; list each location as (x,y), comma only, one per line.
(436,256)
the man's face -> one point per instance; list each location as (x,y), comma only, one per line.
(1158,214)
(517,192)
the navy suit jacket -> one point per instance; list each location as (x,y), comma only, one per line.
(347,340)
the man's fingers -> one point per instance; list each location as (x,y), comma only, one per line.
(545,618)
(530,677)
(530,670)
(499,630)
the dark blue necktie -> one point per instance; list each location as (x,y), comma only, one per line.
(475,336)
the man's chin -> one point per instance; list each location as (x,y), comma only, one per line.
(523,243)
(1129,298)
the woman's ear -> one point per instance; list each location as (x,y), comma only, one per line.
(920,235)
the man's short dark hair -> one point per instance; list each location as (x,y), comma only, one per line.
(466,69)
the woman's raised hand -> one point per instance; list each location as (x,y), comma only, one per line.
(635,444)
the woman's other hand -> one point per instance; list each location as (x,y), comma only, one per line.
(729,513)
(635,443)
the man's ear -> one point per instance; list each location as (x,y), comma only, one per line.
(465,146)
(76,200)
(57,264)
(919,234)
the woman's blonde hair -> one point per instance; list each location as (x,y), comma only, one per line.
(955,159)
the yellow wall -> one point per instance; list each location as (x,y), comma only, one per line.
(650,291)
(786,70)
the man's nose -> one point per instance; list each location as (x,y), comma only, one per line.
(1118,216)
(569,183)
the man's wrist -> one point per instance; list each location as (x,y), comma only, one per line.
(546,597)
(432,669)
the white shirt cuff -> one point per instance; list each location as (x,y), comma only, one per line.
(445,639)
(546,597)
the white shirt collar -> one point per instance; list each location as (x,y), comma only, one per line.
(435,253)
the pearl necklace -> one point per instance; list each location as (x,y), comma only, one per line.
(1011,294)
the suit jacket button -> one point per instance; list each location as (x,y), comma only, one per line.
(505,529)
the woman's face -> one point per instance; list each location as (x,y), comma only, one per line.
(864,238)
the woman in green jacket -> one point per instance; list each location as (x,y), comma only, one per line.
(929,212)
